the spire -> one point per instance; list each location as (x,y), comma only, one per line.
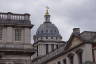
(47,16)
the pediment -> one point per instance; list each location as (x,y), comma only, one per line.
(75,41)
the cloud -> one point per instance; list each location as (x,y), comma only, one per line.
(65,14)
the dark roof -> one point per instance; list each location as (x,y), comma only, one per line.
(11,19)
(47,29)
(88,36)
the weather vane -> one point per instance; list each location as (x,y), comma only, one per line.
(47,7)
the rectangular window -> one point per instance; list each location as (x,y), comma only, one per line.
(57,46)
(52,47)
(1,33)
(47,49)
(58,62)
(18,33)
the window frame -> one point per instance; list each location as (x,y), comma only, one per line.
(1,33)
(47,49)
(18,35)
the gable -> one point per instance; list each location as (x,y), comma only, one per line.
(75,41)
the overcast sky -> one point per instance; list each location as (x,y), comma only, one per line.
(65,14)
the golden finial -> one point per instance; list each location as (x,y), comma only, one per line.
(47,13)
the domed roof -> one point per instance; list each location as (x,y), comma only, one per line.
(47,29)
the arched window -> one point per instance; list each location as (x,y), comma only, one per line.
(79,54)
(71,58)
(47,49)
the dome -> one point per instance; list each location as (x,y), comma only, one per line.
(48,29)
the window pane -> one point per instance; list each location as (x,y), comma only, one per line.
(17,34)
(0,33)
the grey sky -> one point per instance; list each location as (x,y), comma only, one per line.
(65,14)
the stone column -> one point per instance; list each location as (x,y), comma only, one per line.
(27,35)
(75,59)
(9,34)
(49,46)
(87,53)
(67,60)
(4,35)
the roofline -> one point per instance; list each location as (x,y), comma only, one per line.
(64,52)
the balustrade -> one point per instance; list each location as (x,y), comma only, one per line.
(11,16)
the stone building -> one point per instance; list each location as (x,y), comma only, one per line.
(47,38)
(15,38)
(80,48)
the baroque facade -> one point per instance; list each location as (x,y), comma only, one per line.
(48,47)
(79,49)
(15,38)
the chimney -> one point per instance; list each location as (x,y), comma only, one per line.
(76,30)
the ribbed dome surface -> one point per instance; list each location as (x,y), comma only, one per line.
(48,29)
